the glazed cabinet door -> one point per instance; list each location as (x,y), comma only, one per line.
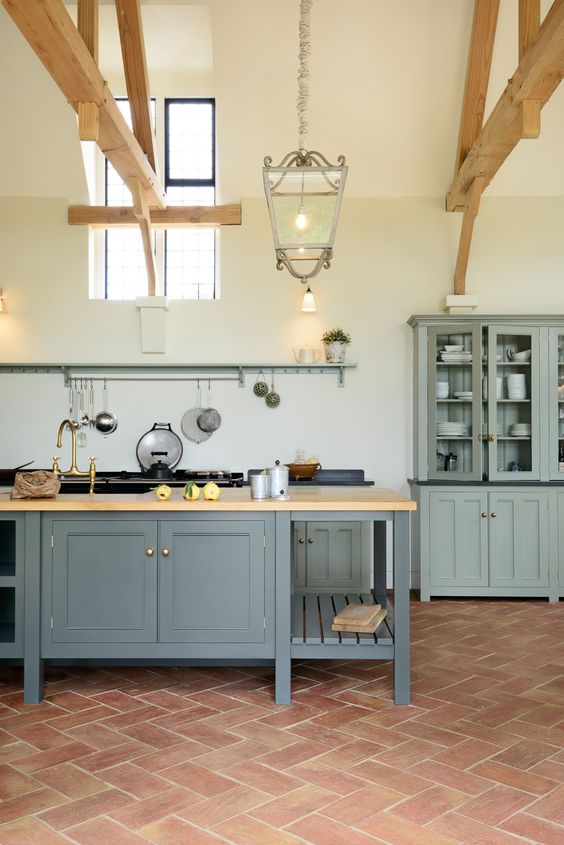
(212,581)
(512,390)
(454,449)
(519,540)
(458,539)
(104,581)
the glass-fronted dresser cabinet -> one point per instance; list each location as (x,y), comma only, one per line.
(489,455)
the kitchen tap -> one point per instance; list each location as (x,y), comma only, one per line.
(74,470)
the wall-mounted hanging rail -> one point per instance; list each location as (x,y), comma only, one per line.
(177,372)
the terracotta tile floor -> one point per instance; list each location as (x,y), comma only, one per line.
(122,756)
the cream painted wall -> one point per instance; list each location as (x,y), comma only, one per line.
(393,258)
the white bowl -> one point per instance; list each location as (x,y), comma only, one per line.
(454,348)
(522,356)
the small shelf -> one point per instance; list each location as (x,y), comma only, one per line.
(177,372)
(514,401)
(446,364)
(453,437)
(509,437)
(456,401)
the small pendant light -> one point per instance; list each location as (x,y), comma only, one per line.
(308,303)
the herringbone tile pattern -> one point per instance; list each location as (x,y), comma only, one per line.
(176,756)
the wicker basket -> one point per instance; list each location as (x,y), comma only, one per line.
(302,472)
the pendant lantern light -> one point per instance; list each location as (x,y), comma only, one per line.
(304,192)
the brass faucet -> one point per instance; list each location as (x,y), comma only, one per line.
(74,470)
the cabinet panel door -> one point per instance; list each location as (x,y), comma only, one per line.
(458,539)
(104,582)
(519,539)
(334,555)
(11,585)
(211,584)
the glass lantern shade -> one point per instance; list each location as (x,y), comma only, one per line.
(304,194)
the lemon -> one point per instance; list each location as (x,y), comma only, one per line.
(163,492)
(211,491)
(191,492)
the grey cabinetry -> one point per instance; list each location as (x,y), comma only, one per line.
(519,552)
(329,556)
(479,542)
(212,581)
(458,538)
(103,581)
(11,585)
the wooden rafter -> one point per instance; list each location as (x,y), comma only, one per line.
(136,76)
(477,76)
(50,31)
(470,214)
(87,25)
(175,216)
(538,75)
(142,215)
(529,23)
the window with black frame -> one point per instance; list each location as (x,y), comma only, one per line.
(185,256)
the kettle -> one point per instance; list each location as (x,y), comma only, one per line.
(307,355)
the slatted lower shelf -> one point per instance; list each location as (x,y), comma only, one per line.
(312,636)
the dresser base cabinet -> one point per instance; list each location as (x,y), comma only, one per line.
(11,585)
(489,541)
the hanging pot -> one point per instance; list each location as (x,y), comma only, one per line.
(159,450)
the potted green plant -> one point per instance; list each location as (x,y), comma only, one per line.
(335,341)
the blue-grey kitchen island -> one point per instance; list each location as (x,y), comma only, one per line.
(128,577)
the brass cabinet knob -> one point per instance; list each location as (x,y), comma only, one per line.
(310,540)
(166,552)
(494,514)
(491,437)
(484,515)
(149,552)
(301,540)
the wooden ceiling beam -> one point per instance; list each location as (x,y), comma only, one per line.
(50,31)
(529,23)
(477,76)
(143,217)
(470,214)
(173,217)
(87,25)
(538,75)
(136,75)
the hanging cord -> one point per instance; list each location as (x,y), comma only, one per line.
(303,71)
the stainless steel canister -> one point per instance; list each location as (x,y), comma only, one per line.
(260,486)
(279,478)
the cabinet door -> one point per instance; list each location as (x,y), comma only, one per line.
(333,555)
(454,402)
(458,539)
(211,582)
(556,403)
(299,554)
(513,403)
(518,539)
(11,584)
(104,581)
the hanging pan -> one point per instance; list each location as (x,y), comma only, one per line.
(189,424)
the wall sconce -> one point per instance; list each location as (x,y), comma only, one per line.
(308,303)
(2,301)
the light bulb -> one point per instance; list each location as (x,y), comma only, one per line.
(308,303)
(301,220)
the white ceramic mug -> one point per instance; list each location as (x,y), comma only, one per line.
(307,355)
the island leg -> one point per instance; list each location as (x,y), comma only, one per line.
(283,564)
(401,606)
(380,560)
(33,664)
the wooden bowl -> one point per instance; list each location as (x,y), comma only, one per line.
(304,472)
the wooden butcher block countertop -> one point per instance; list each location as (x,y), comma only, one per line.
(232,499)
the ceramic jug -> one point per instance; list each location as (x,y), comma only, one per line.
(307,355)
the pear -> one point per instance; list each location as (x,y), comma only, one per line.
(211,491)
(191,492)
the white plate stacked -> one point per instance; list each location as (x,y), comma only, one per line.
(456,357)
(446,430)
(463,394)
(516,386)
(520,430)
